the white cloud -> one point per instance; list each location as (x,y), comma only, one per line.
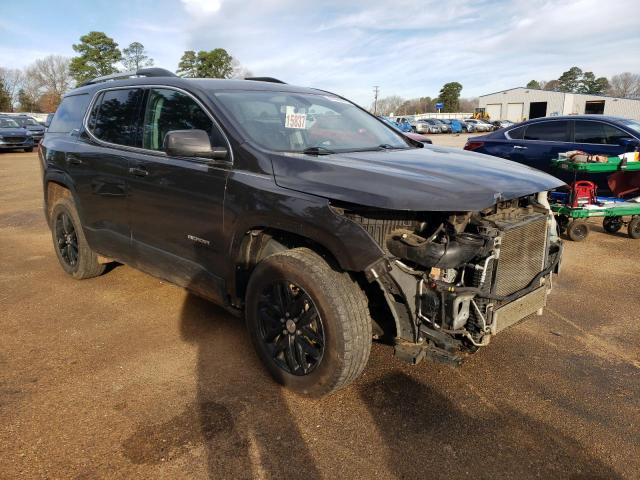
(198,8)
(409,48)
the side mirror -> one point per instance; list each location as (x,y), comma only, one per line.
(191,143)
(629,143)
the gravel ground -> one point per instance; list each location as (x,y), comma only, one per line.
(126,376)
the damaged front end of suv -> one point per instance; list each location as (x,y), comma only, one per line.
(452,280)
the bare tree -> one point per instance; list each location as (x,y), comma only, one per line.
(625,85)
(240,71)
(12,79)
(50,75)
(468,105)
(388,105)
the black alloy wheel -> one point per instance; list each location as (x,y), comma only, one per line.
(66,239)
(291,328)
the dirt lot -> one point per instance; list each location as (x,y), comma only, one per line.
(125,376)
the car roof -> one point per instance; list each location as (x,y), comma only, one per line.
(610,118)
(211,84)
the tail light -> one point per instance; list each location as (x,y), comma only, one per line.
(473,145)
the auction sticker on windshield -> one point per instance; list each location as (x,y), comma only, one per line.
(295,120)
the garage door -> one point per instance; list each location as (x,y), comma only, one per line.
(514,111)
(494,110)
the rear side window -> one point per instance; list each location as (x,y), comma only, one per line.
(168,110)
(114,118)
(598,132)
(516,133)
(548,131)
(69,114)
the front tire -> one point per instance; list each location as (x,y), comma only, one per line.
(309,322)
(70,244)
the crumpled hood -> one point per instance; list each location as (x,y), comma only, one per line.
(430,178)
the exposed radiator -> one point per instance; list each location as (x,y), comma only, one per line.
(522,255)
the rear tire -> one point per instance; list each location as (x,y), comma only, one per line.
(633,229)
(320,340)
(578,230)
(70,244)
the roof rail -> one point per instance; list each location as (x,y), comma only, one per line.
(265,79)
(141,72)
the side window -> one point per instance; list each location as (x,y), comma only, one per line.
(613,135)
(69,114)
(598,132)
(168,110)
(116,117)
(548,131)
(516,133)
(589,132)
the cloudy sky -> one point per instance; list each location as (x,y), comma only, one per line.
(408,48)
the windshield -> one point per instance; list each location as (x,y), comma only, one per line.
(302,122)
(632,124)
(8,123)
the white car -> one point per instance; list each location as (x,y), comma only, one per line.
(479,125)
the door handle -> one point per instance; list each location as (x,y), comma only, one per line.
(138,171)
(518,147)
(71,160)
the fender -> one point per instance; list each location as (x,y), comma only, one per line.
(300,214)
(62,178)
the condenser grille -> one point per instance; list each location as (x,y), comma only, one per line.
(522,256)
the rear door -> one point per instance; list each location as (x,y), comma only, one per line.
(540,143)
(100,169)
(176,204)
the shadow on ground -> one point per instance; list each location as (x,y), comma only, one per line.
(428,435)
(239,414)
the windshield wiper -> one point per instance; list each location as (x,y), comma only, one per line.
(317,151)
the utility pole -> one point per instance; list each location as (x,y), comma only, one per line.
(376,89)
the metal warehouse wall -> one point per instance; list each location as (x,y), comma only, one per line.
(510,99)
(620,107)
(507,104)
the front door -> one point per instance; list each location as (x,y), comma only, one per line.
(176,204)
(597,137)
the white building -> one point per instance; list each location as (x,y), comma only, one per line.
(517,104)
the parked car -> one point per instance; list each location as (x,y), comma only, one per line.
(502,124)
(13,136)
(427,125)
(467,127)
(402,126)
(37,130)
(418,137)
(479,125)
(444,127)
(297,223)
(454,125)
(536,142)
(413,136)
